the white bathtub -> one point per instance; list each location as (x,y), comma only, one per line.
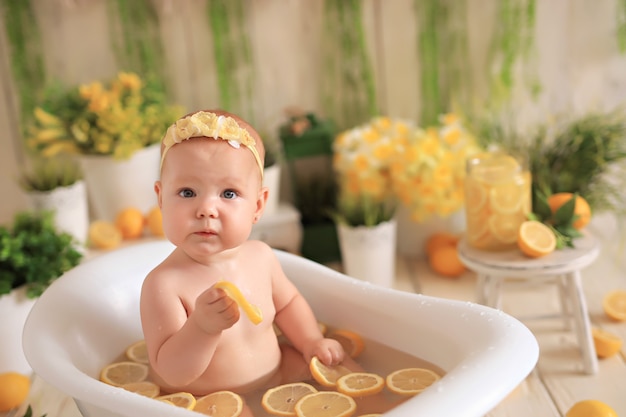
(88,316)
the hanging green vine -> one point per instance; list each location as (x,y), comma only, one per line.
(232,55)
(428,12)
(443,54)
(26,54)
(621,25)
(514,39)
(136,38)
(349,85)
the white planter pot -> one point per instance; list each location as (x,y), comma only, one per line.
(71,213)
(412,235)
(113,185)
(271,180)
(369,253)
(14,309)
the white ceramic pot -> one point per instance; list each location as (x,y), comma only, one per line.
(113,185)
(14,309)
(271,180)
(71,213)
(369,253)
(412,235)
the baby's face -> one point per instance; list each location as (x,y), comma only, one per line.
(210,195)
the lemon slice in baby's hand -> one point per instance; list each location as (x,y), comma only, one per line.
(253,312)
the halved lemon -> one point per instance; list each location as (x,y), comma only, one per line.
(253,312)
(535,239)
(104,235)
(606,343)
(326,375)
(137,352)
(352,342)
(220,404)
(145,388)
(614,304)
(326,404)
(281,400)
(121,373)
(410,381)
(360,384)
(180,399)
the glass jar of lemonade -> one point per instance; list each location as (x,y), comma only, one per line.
(497,200)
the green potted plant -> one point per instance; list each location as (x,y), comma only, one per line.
(306,138)
(113,127)
(48,174)
(33,253)
(57,185)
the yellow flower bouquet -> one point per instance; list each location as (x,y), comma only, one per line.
(427,174)
(115,118)
(388,162)
(362,157)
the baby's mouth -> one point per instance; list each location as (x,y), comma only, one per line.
(206,233)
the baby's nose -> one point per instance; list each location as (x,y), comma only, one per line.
(207,208)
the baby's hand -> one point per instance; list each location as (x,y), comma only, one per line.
(215,311)
(329,351)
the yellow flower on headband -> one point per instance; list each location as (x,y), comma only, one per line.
(210,125)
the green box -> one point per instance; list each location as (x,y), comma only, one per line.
(320,242)
(317,140)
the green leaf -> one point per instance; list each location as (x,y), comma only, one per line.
(568,230)
(564,215)
(541,208)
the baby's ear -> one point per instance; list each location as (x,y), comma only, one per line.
(260,203)
(157,190)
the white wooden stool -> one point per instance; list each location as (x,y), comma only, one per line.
(562,266)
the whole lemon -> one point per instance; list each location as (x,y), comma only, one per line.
(445,261)
(590,408)
(154,220)
(130,222)
(581,208)
(14,388)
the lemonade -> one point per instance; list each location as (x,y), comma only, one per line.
(497,200)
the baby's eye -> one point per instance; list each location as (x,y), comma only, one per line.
(186,193)
(229,194)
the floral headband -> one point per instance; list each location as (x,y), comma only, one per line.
(210,125)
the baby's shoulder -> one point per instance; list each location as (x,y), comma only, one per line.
(257,253)
(259,247)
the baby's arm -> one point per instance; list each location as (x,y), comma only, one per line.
(297,322)
(180,347)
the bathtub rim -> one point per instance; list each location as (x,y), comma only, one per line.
(65,375)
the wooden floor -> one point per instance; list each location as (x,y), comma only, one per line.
(556,383)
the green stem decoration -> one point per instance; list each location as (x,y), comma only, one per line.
(514,39)
(137,42)
(443,54)
(621,25)
(233,55)
(349,85)
(26,54)
(431,100)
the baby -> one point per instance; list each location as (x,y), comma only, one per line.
(211,193)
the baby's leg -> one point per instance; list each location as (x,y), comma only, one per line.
(293,367)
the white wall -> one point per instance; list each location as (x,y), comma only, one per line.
(577,60)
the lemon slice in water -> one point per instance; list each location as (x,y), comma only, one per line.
(253,312)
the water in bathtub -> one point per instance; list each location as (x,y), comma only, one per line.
(372,357)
